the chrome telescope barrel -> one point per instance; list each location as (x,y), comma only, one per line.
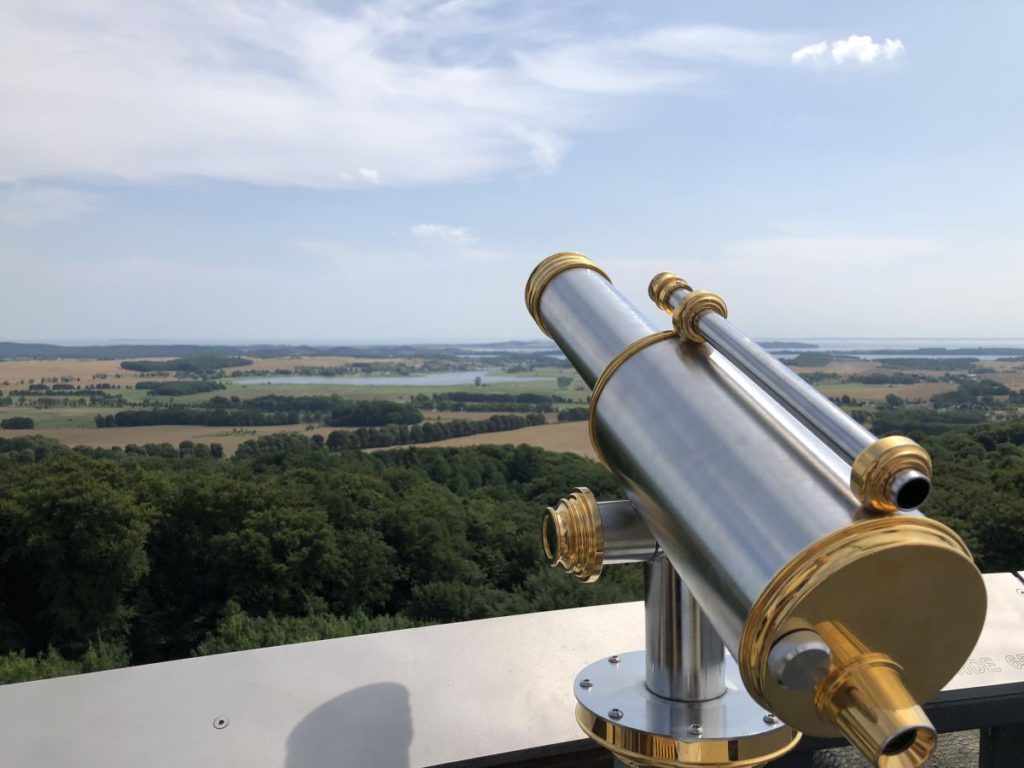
(899,480)
(747,508)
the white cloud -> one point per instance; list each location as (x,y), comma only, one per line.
(32,204)
(856,48)
(441,232)
(814,51)
(369,175)
(717,42)
(272,92)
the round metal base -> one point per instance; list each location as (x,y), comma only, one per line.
(642,729)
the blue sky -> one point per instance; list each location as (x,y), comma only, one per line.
(333,171)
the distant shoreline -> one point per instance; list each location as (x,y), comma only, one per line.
(853,347)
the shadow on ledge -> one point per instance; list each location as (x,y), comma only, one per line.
(369,726)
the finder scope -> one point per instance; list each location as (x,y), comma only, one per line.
(772,525)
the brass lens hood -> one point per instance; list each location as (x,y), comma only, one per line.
(546,271)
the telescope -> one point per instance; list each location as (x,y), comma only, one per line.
(791,584)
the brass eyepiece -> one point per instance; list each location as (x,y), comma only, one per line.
(663,285)
(865,696)
(573,536)
(892,473)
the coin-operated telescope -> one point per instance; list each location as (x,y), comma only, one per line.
(771,525)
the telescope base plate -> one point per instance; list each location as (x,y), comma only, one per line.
(616,709)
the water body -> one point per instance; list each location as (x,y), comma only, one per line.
(442,379)
(867,348)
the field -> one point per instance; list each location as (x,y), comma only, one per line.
(76,425)
(571,437)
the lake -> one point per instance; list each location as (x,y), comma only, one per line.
(442,379)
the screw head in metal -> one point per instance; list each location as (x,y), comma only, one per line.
(771,719)
(220,723)
(614,659)
(615,714)
(695,729)
(586,683)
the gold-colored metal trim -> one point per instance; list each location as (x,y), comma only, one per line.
(919,564)
(688,312)
(546,271)
(662,286)
(872,472)
(609,371)
(638,748)
(575,526)
(865,696)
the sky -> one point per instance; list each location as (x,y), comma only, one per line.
(286,171)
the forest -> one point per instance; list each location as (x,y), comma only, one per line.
(115,557)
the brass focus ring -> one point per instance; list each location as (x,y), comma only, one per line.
(873,470)
(688,312)
(574,527)
(663,285)
(786,596)
(546,271)
(613,366)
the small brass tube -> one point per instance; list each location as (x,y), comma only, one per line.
(865,696)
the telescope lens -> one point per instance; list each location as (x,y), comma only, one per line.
(900,743)
(909,749)
(550,537)
(913,493)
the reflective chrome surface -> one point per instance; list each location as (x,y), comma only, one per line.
(621,686)
(727,490)
(626,537)
(828,422)
(800,660)
(685,656)
(590,320)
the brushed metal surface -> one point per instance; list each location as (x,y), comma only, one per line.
(590,320)
(621,686)
(998,656)
(728,491)
(416,697)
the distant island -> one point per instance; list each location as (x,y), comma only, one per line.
(787,345)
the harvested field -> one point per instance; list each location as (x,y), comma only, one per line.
(122,436)
(88,435)
(291,363)
(921,391)
(18,372)
(571,437)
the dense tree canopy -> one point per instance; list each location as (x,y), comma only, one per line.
(110,557)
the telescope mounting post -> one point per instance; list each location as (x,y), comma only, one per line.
(680,702)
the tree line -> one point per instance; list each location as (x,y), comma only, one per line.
(206,363)
(274,410)
(427,432)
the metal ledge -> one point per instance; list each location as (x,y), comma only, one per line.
(492,692)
